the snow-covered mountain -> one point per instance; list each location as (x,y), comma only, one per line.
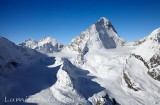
(12,55)
(102,34)
(96,68)
(120,75)
(14,58)
(45,45)
(149,53)
(30,43)
(150,46)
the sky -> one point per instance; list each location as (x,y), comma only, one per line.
(65,19)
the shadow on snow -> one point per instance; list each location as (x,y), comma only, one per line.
(82,82)
(32,80)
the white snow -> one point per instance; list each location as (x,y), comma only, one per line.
(150,46)
(31,43)
(96,66)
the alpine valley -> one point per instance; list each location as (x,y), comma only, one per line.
(97,67)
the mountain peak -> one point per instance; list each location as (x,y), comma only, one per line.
(100,35)
(155,35)
(30,40)
(1,37)
(104,23)
(103,19)
(29,43)
(156,31)
(48,39)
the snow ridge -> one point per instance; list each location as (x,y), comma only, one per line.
(149,52)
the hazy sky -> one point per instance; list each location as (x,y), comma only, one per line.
(65,19)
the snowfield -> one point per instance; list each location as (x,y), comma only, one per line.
(96,68)
(101,74)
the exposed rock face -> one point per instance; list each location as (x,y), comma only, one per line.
(154,65)
(129,83)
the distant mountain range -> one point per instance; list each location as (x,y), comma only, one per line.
(46,45)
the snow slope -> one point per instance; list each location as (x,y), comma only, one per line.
(149,52)
(119,74)
(147,88)
(106,72)
(99,79)
(12,59)
(150,46)
(12,55)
